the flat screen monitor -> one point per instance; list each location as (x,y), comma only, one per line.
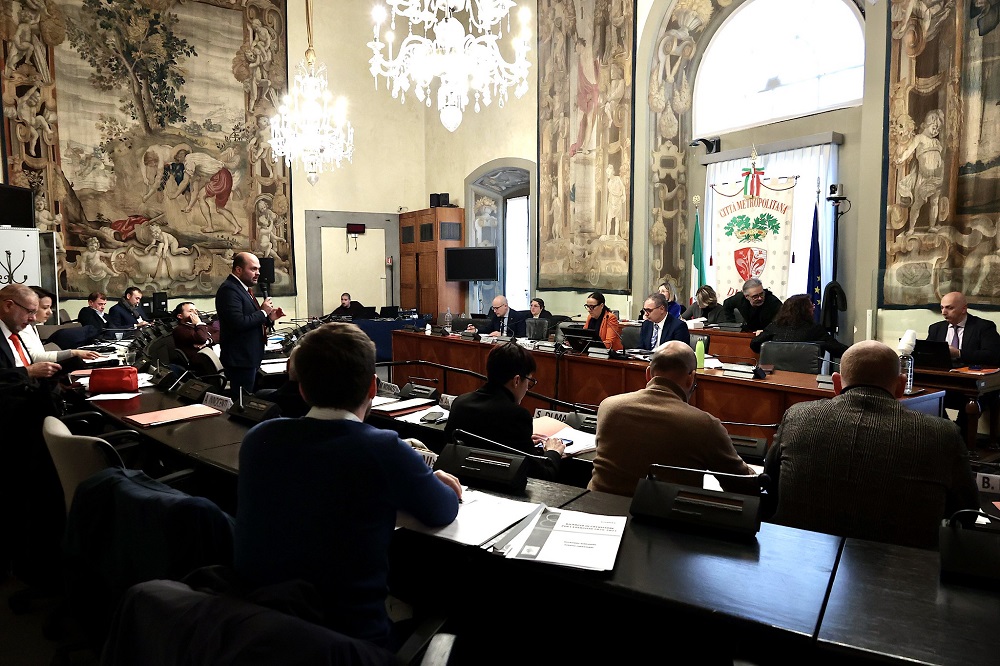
(17,207)
(582,339)
(470,264)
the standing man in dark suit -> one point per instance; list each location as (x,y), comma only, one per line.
(973,341)
(659,325)
(503,321)
(243,322)
(92,316)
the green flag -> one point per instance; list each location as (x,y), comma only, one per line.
(697,259)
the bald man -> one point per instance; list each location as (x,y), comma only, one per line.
(656,425)
(862,465)
(973,341)
(503,321)
(18,306)
(243,322)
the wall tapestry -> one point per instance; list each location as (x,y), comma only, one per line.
(943,201)
(143,128)
(585,74)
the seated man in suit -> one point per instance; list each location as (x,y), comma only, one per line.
(862,465)
(348,307)
(495,412)
(656,425)
(126,313)
(92,316)
(503,321)
(659,326)
(973,341)
(318,495)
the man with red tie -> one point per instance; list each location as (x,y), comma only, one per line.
(243,322)
(18,305)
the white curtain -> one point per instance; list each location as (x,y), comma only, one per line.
(808,164)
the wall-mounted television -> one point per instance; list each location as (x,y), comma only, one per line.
(472,264)
(17,207)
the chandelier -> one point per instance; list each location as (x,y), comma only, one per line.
(310,125)
(464,57)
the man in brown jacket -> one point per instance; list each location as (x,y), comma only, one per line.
(656,425)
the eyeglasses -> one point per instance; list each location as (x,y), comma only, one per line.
(589,306)
(531,382)
(496,308)
(648,310)
(28,310)
(755,297)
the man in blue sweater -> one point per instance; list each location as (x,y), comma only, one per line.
(318,495)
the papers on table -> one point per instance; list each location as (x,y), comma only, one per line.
(415,417)
(712,363)
(582,442)
(172,415)
(480,518)
(380,400)
(568,538)
(274,367)
(401,407)
(113,396)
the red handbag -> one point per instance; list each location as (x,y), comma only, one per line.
(121,379)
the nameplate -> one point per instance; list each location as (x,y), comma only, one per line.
(220,402)
(988,482)
(551,413)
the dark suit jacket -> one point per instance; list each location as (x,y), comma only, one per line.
(492,413)
(119,316)
(8,366)
(671,328)
(755,319)
(190,339)
(515,323)
(89,317)
(862,465)
(240,321)
(980,341)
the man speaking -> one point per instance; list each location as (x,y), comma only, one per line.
(243,322)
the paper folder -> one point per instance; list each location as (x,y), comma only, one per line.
(164,416)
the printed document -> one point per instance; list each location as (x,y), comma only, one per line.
(481,517)
(570,538)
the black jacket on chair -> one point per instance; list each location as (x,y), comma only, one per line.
(980,340)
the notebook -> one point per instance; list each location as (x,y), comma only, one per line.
(173,415)
(932,355)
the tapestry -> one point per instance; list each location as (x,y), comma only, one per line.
(143,128)
(943,202)
(752,232)
(585,74)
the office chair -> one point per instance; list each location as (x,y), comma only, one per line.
(537,329)
(167,623)
(630,337)
(805,357)
(695,337)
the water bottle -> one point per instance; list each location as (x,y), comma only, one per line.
(906,368)
(447,320)
(427,329)
(699,353)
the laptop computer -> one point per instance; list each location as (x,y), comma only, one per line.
(582,339)
(367,313)
(932,355)
(389,312)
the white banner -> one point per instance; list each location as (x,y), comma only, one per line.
(753,234)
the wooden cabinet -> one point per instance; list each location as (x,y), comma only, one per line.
(423,237)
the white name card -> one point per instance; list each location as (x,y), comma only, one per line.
(988,482)
(220,402)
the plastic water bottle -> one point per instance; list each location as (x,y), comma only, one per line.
(906,368)
(447,320)
(699,353)
(427,329)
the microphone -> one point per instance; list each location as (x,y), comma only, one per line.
(460,434)
(179,379)
(264,290)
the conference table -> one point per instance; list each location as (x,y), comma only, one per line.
(786,593)
(585,380)
(974,386)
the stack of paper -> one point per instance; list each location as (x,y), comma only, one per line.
(568,538)
(481,517)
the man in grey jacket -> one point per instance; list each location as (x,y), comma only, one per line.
(862,465)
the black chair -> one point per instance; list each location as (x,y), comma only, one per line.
(537,329)
(806,357)
(695,337)
(630,337)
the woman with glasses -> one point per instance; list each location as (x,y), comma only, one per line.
(604,321)
(538,310)
(706,304)
(795,323)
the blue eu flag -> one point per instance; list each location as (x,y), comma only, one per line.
(815,289)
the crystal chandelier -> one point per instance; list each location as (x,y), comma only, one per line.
(310,126)
(463,57)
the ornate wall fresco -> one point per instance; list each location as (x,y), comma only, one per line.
(143,128)
(943,201)
(585,74)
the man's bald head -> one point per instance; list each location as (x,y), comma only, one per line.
(870,363)
(18,304)
(954,307)
(673,360)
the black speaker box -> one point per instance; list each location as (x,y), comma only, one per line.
(435,200)
(267,270)
(443,199)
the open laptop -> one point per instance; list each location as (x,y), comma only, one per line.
(932,355)
(389,312)
(367,313)
(582,339)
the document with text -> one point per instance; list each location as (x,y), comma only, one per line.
(481,517)
(570,539)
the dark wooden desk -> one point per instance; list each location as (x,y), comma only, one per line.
(974,387)
(887,605)
(729,346)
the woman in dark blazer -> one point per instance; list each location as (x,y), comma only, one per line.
(794,323)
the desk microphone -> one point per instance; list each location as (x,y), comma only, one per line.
(179,379)
(461,434)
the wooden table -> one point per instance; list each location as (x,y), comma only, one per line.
(729,346)
(974,387)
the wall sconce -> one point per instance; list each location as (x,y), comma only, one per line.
(712,145)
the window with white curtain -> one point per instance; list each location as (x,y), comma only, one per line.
(773,60)
(808,164)
(517,274)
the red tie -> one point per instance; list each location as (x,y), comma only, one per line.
(20,350)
